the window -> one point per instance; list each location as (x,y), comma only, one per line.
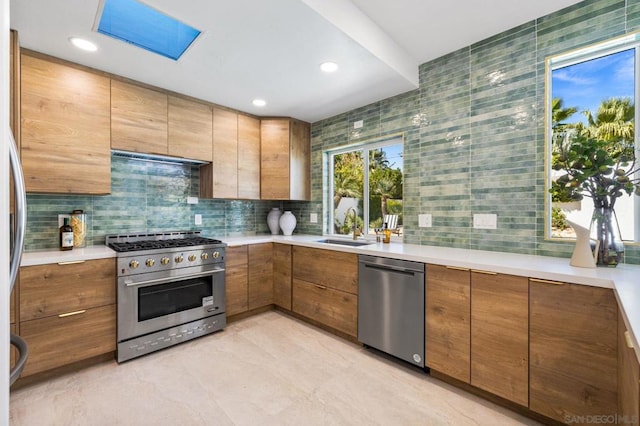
(591,98)
(366,184)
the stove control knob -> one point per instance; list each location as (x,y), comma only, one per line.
(150,263)
(179,259)
(134,264)
(204,256)
(192,257)
(165,260)
(216,254)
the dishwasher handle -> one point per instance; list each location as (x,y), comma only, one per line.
(391,268)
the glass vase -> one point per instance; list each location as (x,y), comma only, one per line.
(606,235)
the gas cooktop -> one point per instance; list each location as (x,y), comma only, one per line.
(155,241)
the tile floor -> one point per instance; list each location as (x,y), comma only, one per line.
(269,369)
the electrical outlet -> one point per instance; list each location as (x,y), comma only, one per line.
(313,218)
(358,124)
(192,200)
(485,221)
(198,219)
(61,218)
(424,220)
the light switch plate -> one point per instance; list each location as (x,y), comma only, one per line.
(485,221)
(424,220)
(198,219)
(313,218)
(61,218)
(192,200)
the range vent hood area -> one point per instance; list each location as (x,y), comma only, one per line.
(156,158)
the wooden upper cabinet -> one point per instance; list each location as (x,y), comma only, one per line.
(65,128)
(248,157)
(138,119)
(225,154)
(285,159)
(573,348)
(500,335)
(190,129)
(448,321)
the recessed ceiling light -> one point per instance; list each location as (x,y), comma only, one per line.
(259,102)
(328,66)
(83,44)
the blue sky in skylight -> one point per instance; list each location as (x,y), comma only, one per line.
(145,27)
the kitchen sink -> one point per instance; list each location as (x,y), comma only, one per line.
(350,243)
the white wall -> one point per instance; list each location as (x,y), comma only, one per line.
(4,208)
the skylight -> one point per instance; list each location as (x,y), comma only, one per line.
(145,27)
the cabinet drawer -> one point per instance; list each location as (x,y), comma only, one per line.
(334,308)
(329,268)
(55,341)
(52,289)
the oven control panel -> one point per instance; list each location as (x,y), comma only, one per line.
(142,262)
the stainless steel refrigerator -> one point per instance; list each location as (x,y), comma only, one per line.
(19,220)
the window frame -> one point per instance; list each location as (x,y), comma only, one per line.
(363,146)
(574,57)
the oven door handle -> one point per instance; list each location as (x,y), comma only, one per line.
(129,283)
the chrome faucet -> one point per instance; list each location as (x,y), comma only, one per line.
(356,231)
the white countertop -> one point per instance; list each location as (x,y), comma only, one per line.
(625,279)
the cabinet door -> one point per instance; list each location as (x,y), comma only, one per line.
(448,321)
(138,119)
(573,350)
(628,377)
(333,308)
(225,154)
(248,158)
(329,268)
(190,129)
(54,289)
(282,275)
(300,161)
(237,280)
(65,129)
(260,275)
(59,340)
(500,335)
(274,159)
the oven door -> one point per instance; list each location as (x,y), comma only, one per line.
(156,301)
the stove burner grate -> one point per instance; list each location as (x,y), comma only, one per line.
(121,247)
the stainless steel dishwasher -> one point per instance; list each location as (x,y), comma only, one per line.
(391,307)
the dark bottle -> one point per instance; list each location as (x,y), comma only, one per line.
(66,235)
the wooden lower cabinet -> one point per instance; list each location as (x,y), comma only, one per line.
(448,321)
(67,312)
(282,275)
(334,308)
(325,287)
(573,350)
(628,378)
(237,280)
(500,335)
(260,275)
(56,341)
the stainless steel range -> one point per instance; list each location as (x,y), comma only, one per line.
(171,288)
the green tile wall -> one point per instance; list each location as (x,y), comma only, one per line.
(474,133)
(144,197)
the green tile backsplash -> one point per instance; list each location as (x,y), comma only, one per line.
(145,197)
(474,132)
(473,143)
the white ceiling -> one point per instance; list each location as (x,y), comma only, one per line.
(272,49)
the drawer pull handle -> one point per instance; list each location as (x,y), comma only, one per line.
(321,287)
(457,268)
(627,338)
(484,272)
(73,262)
(70,314)
(538,280)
